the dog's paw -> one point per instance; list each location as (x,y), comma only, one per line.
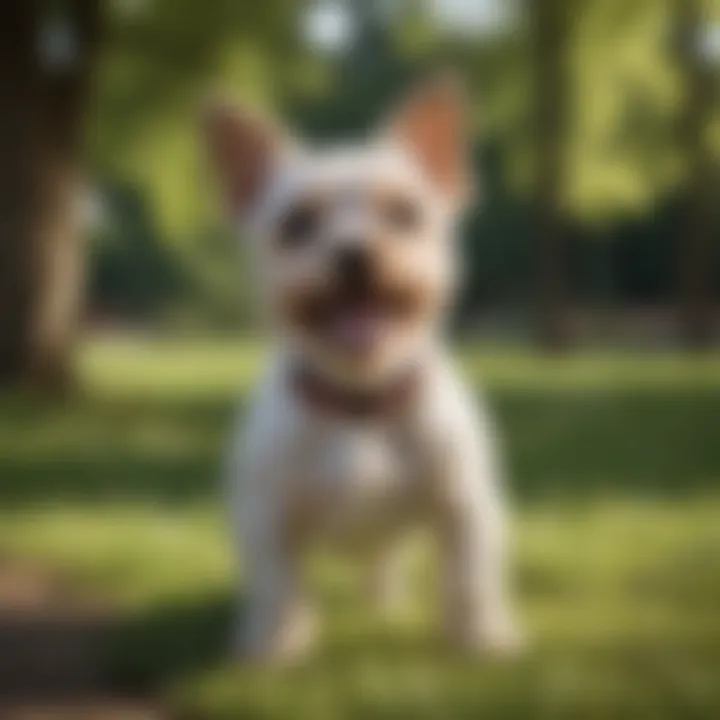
(506,641)
(287,644)
(492,638)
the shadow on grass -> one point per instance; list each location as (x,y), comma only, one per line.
(171,641)
(391,673)
(163,450)
(558,443)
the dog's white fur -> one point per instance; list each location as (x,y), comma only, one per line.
(300,477)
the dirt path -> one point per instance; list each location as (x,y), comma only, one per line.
(54,652)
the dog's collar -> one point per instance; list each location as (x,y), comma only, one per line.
(331,398)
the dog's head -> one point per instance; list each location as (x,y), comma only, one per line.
(353,244)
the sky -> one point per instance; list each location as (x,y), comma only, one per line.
(328,23)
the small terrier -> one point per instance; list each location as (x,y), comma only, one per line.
(361,426)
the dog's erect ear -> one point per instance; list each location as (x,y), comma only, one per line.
(431,124)
(243,149)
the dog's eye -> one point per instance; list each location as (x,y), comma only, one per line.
(401,214)
(299,225)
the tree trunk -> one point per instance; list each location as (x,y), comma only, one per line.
(44,101)
(700,189)
(551,86)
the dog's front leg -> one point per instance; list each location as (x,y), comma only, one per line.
(276,625)
(476,609)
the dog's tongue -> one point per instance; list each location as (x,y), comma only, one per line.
(357,329)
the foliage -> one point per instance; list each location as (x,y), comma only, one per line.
(623,85)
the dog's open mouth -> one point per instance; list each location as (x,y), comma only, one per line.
(357,326)
(357,323)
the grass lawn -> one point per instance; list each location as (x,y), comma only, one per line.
(614,464)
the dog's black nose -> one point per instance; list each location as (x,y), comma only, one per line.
(353,266)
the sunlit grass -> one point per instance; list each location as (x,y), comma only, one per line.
(615,473)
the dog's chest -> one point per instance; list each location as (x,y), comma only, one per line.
(358,482)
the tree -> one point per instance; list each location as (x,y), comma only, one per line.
(156,58)
(550,112)
(700,176)
(47,57)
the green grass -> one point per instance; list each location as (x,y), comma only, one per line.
(614,466)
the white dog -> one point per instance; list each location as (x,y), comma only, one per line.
(361,426)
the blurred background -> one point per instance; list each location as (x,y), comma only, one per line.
(589,313)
